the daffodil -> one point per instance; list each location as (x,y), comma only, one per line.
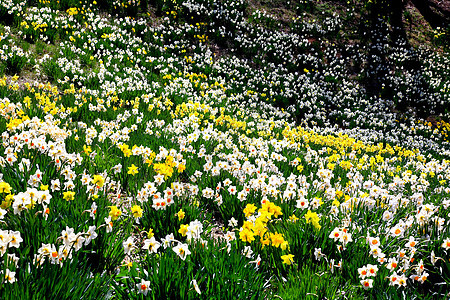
(136,210)
(128,245)
(69,195)
(133,170)
(151,245)
(114,212)
(293,218)
(143,287)
(249,209)
(182,250)
(183,229)
(276,239)
(180,214)
(246,235)
(5,188)
(312,217)
(99,181)
(10,276)
(288,259)
(87,150)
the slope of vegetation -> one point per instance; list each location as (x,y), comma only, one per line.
(226,149)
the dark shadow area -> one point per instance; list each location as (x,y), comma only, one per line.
(436,13)
(387,33)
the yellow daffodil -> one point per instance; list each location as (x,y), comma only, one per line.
(133,170)
(288,259)
(115,212)
(98,180)
(276,239)
(87,150)
(183,229)
(136,210)
(180,215)
(312,217)
(293,218)
(5,188)
(246,235)
(69,195)
(249,209)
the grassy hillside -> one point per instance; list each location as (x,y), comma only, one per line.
(223,149)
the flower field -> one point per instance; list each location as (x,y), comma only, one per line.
(205,149)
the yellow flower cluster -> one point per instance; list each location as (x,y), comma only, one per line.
(133,170)
(99,181)
(200,111)
(149,158)
(126,150)
(167,167)
(342,144)
(250,230)
(230,122)
(313,217)
(72,11)
(14,123)
(136,211)
(439,128)
(164,169)
(5,188)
